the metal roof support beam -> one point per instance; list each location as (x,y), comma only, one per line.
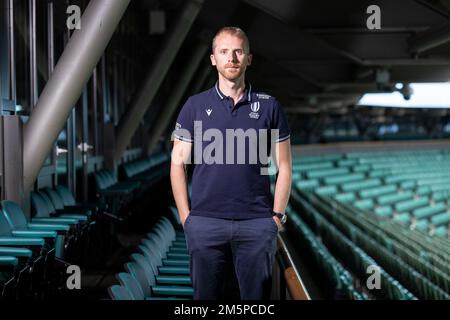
(205,72)
(430,40)
(165,116)
(144,98)
(65,85)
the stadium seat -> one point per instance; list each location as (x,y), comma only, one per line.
(118,292)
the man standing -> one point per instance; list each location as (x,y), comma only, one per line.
(233,216)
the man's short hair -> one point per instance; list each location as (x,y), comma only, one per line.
(234,31)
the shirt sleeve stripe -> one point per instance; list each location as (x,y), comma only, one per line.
(183,139)
(284,138)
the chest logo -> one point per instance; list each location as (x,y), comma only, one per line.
(255,108)
(208,112)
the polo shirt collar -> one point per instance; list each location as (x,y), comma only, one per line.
(247,92)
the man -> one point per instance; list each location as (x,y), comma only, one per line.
(233,216)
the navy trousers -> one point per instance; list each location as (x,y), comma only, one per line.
(248,244)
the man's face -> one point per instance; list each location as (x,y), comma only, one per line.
(230,57)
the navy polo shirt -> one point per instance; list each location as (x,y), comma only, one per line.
(227,181)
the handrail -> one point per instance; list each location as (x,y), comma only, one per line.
(289,274)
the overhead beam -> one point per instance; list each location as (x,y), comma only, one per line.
(65,85)
(310,37)
(203,74)
(175,98)
(144,98)
(435,61)
(199,84)
(430,40)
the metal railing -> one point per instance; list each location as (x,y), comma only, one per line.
(287,282)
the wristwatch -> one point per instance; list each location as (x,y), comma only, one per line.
(281,216)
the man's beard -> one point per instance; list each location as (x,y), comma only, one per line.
(232,75)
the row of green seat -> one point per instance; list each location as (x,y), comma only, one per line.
(428,243)
(159,270)
(141,167)
(339,281)
(385,195)
(410,187)
(355,258)
(437,250)
(56,230)
(135,179)
(399,268)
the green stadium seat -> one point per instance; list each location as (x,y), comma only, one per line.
(66,212)
(394,198)
(426,212)
(408,185)
(377,191)
(8,261)
(361,168)
(312,166)
(440,195)
(149,287)
(441,232)
(379,173)
(326,191)
(423,190)
(384,211)
(344,178)
(118,292)
(345,197)
(422,225)
(154,277)
(364,204)
(403,219)
(322,173)
(346,162)
(356,186)
(409,205)
(307,184)
(43,208)
(441,219)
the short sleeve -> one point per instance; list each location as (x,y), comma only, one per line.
(184,127)
(279,123)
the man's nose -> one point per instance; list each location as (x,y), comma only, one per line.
(232,57)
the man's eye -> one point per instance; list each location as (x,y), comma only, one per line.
(223,51)
(239,51)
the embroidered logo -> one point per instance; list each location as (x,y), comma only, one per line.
(255,108)
(208,112)
(262,96)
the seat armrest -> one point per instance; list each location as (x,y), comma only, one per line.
(16,241)
(49,227)
(34,234)
(8,261)
(55,220)
(15,252)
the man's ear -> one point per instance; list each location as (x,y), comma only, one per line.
(249,59)
(213,60)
